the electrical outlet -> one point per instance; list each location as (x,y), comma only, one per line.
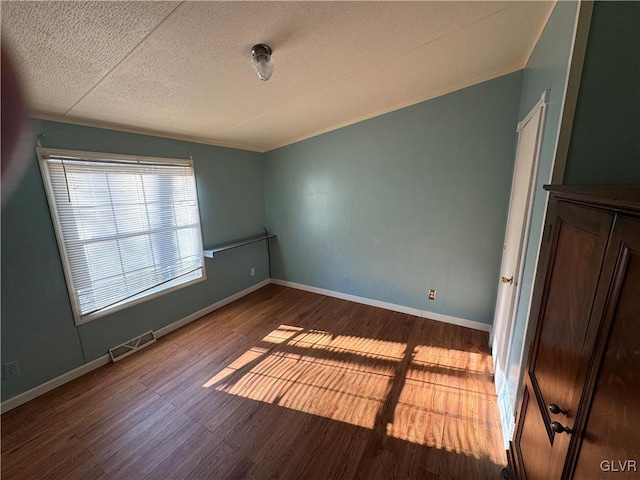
(432,294)
(10,369)
(345,279)
(253,271)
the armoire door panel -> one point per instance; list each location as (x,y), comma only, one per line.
(579,412)
(612,431)
(532,448)
(578,247)
(537,459)
(581,235)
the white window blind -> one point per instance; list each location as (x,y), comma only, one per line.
(127,227)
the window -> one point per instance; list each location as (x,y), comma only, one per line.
(128,227)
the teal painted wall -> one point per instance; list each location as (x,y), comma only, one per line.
(37,323)
(605,140)
(546,69)
(401,203)
(385,209)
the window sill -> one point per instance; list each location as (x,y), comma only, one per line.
(145,296)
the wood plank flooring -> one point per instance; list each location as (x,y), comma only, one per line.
(281,384)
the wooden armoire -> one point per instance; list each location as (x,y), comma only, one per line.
(579,413)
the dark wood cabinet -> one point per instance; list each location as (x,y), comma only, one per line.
(579,414)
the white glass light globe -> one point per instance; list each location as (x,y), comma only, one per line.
(262,62)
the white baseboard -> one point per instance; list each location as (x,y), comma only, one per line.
(45,387)
(211,308)
(463,322)
(35,392)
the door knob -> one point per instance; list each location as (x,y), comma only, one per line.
(559,428)
(507,280)
(555,409)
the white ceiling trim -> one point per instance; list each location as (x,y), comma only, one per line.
(393,108)
(52,117)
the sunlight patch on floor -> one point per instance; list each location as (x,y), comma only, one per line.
(430,395)
(344,378)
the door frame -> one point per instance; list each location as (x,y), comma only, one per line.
(508,330)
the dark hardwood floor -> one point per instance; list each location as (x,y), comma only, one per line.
(281,384)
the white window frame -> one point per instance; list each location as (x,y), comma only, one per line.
(43,154)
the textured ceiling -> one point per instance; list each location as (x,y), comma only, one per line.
(183,68)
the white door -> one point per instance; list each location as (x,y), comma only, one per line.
(527,152)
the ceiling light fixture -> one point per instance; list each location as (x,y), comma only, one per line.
(262,61)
